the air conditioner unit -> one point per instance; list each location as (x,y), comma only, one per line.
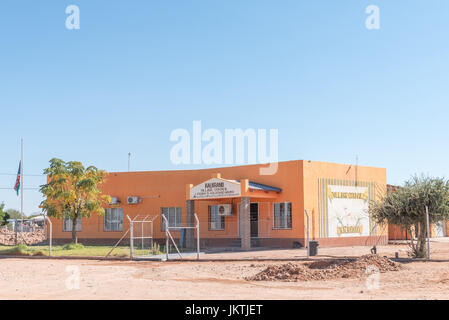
(114,200)
(224,209)
(133,200)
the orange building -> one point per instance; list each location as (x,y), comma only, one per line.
(239,206)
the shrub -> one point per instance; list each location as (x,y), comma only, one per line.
(19,250)
(22,246)
(73,246)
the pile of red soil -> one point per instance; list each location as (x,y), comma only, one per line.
(327,269)
(29,238)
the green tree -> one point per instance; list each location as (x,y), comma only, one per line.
(406,207)
(4,216)
(72,192)
(14,214)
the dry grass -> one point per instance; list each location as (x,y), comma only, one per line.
(69,250)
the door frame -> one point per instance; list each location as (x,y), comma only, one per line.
(250,222)
(238,219)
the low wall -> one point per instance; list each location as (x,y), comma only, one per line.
(260,242)
(8,237)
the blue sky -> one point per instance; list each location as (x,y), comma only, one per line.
(136,70)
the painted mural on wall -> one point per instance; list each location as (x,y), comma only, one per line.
(344,208)
(348,211)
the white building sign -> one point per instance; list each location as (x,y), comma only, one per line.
(215,188)
(348,210)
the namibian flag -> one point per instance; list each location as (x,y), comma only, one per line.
(17,185)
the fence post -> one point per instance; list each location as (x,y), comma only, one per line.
(131,235)
(197,237)
(308,242)
(15,232)
(132,238)
(165,223)
(51,234)
(166,243)
(152,241)
(428,233)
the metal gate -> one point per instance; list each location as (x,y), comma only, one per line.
(141,229)
(169,238)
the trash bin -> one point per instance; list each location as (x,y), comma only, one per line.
(313,250)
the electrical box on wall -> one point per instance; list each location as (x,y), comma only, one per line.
(224,209)
(133,200)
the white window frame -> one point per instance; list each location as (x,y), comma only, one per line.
(283,221)
(116,220)
(67,224)
(172,223)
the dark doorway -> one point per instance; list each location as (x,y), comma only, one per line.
(254,218)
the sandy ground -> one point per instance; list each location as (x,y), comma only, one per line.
(57,279)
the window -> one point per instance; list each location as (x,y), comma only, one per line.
(282,215)
(113,219)
(67,224)
(173,215)
(216,222)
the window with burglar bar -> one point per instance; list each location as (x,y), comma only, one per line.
(173,215)
(113,219)
(282,215)
(216,222)
(67,224)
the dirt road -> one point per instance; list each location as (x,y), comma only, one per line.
(57,279)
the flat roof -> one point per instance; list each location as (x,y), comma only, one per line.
(259,186)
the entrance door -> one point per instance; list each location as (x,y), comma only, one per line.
(254,218)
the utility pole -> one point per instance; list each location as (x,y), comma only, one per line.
(428,233)
(129,161)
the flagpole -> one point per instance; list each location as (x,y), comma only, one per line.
(21,182)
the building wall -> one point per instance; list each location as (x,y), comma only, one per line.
(397,233)
(314,170)
(297,179)
(394,232)
(171,186)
